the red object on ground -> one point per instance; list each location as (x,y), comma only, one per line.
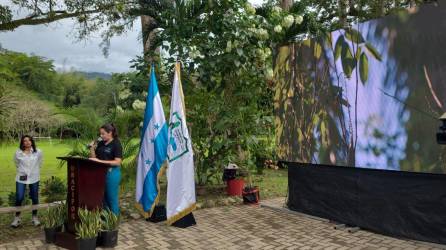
(251,196)
(235,187)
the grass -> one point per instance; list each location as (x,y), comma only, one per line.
(272,184)
(50,165)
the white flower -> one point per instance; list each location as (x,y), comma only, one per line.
(124,94)
(249,9)
(119,109)
(195,53)
(228,46)
(261,34)
(278,29)
(269,74)
(277,9)
(288,21)
(260,54)
(138,105)
(299,19)
(267,52)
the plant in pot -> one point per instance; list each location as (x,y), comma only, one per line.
(235,186)
(250,194)
(52,222)
(87,229)
(108,236)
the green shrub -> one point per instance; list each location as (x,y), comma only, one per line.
(90,224)
(54,189)
(11,199)
(110,221)
(54,216)
(1,201)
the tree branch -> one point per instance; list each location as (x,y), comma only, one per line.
(49,17)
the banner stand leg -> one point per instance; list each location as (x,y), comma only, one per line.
(159,214)
(186,221)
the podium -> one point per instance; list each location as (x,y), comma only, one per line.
(85,189)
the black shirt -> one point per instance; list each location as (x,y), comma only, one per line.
(109,151)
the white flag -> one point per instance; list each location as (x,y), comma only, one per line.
(180,172)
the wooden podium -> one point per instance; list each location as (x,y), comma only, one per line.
(86,185)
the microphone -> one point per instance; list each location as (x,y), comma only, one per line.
(95,142)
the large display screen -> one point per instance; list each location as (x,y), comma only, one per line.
(369,96)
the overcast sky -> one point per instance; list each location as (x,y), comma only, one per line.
(56,42)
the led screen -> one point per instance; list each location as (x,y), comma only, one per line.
(369,96)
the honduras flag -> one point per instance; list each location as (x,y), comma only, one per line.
(153,150)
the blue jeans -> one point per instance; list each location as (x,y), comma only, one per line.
(111,195)
(20,194)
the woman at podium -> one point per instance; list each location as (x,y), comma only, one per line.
(108,150)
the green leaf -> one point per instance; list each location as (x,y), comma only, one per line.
(317,50)
(328,39)
(348,63)
(358,53)
(324,134)
(354,36)
(364,68)
(373,51)
(338,47)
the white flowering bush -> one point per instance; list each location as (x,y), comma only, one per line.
(288,21)
(278,29)
(138,105)
(124,94)
(226,52)
(299,19)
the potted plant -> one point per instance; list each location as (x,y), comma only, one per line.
(251,194)
(87,229)
(53,221)
(108,236)
(235,186)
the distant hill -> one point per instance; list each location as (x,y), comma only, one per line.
(95,75)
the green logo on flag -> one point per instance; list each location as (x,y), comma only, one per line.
(178,143)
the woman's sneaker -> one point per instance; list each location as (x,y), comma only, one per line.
(16,222)
(35,220)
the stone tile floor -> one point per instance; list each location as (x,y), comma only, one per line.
(268,226)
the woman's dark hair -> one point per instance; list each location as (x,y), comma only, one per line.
(33,144)
(109,127)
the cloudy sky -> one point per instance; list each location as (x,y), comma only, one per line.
(56,42)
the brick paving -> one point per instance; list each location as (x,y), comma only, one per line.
(245,227)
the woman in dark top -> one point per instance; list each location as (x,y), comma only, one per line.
(109,151)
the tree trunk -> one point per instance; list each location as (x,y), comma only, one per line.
(286,4)
(343,12)
(148,35)
(145,24)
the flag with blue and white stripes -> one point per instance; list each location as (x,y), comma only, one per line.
(153,150)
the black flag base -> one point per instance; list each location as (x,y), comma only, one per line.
(186,221)
(159,214)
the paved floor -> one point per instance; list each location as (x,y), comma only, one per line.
(244,227)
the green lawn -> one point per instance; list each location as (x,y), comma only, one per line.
(50,165)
